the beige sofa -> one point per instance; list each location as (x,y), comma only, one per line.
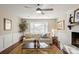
(31,37)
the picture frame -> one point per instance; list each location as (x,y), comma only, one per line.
(76,15)
(61,25)
(7,24)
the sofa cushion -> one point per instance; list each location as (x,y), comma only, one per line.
(28,35)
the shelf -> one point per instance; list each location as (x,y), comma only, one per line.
(72,25)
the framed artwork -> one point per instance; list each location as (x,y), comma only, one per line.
(61,25)
(76,15)
(7,24)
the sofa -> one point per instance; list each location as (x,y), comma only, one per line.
(43,37)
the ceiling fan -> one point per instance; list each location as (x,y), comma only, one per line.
(40,10)
(43,9)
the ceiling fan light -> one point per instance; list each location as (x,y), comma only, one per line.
(38,11)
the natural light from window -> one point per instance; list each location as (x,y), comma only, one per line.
(39,27)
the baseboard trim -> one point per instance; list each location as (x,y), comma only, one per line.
(9,49)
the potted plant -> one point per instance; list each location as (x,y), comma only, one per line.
(23,26)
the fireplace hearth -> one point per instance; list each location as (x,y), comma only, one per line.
(75,38)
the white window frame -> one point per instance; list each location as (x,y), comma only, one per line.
(45,29)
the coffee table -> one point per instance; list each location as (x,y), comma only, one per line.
(33,47)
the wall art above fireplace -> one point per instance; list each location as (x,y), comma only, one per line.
(76,15)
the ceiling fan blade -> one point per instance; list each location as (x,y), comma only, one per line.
(28,7)
(49,9)
(33,6)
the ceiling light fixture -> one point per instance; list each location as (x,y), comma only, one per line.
(38,10)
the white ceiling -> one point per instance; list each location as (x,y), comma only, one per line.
(30,13)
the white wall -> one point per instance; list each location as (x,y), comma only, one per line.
(1,43)
(7,38)
(64,36)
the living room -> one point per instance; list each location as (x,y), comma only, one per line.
(54,21)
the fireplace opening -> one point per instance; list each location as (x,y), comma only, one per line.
(75,38)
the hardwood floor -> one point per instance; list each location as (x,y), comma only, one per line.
(17,49)
(52,50)
(9,49)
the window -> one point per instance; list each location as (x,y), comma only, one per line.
(38,27)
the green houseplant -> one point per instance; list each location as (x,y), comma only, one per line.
(23,26)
